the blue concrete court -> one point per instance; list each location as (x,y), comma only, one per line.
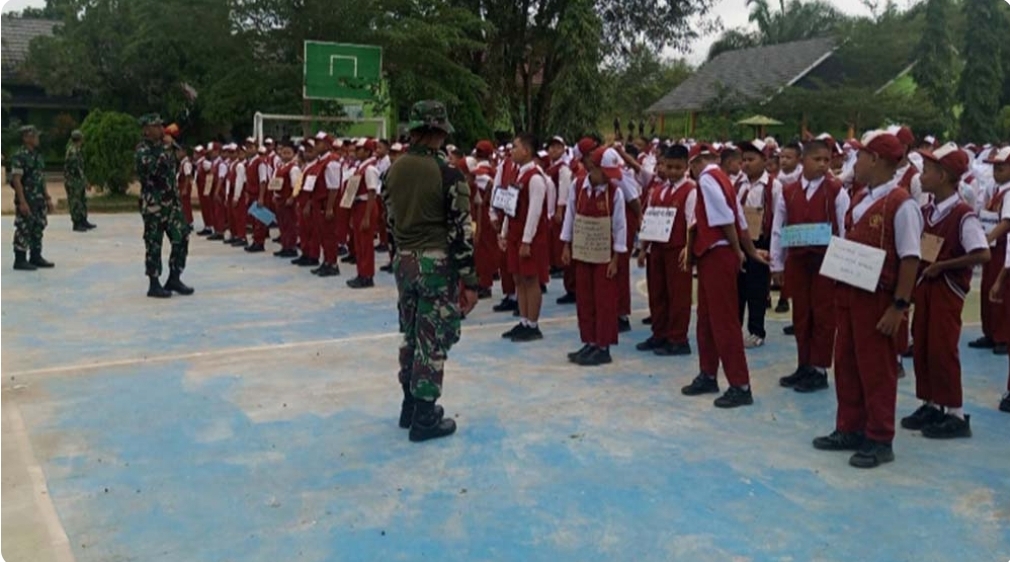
(256,421)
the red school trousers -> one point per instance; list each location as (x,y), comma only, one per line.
(187,206)
(308,230)
(936,330)
(221,215)
(813,297)
(994,320)
(866,374)
(669,295)
(596,304)
(624,268)
(719,333)
(364,239)
(487,253)
(239,217)
(287,223)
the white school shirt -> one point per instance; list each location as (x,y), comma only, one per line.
(222,169)
(383,164)
(907,221)
(618,220)
(791,177)
(810,188)
(483,180)
(754,191)
(564,181)
(333,171)
(187,168)
(265,171)
(537,195)
(718,212)
(240,179)
(1001,191)
(971,236)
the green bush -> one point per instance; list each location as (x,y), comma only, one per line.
(110,139)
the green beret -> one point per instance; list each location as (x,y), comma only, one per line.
(149,119)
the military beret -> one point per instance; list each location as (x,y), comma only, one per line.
(149,119)
(76,134)
(28,130)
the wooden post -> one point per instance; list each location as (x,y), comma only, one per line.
(662,124)
(693,123)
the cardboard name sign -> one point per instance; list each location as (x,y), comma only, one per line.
(208,184)
(853,263)
(755,217)
(506,199)
(930,246)
(309,184)
(591,239)
(350,192)
(802,235)
(657,224)
(275,184)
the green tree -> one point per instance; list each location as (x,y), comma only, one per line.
(793,21)
(982,77)
(112,139)
(937,66)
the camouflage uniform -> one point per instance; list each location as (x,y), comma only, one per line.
(161,207)
(28,228)
(73,178)
(428,278)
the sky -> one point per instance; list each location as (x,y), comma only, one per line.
(733,13)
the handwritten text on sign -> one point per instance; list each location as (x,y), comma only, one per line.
(657,224)
(506,199)
(853,263)
(350,192)
(800,235)
(591,239)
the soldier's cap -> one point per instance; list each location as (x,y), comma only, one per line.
(76,134)
(28,130)
(950,157)
(149,119)
(430,114)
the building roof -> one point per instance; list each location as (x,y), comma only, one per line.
(749,74)
(15,36)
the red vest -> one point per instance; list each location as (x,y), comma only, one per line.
(517,224)
(675,198)
(284,172)
(509,172)
(181,179)
(767,207)
(230,179)
(588,203)
(319,188)
(706,235)
(819,209)
(876,229)
(996,205)
(252,177)
(360,172)
(906,179)
(950,230)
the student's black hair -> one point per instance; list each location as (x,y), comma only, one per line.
(632,150)
(728,154)
(795,146)
(816,144)
(384,142)
(676,152)
(530,141)
(750,148)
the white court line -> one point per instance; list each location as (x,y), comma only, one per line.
(59,544)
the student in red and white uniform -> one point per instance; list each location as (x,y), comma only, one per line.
(791,163)
(997,295)
(756,190)
(486,250)
(560,173)
(506,174)
(633,209)
(184,182)
(330,219)
(939,296)
(720,247)
(233,154)
(287,177)
(382,164)
(815,198)
(668,274)
(308,229)
(364,212)
(585,146)
(239,178)
(525,237)
(884,216)
(202,167)
(219,167)
(596,195)
(256,176)
(647,157)
(995,216)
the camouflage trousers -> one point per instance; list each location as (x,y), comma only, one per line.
(28,228)
(77,201)
(160,222)
(429,318)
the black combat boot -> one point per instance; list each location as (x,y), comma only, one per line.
(176,284)
(90,225)
(156,290)
(38,261)
(407,407)
(429,423)
(21,263)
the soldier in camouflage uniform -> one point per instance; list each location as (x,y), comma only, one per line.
(32,202)
(76,185)
(428,211)
(161,209)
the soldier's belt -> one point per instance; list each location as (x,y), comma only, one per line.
(436,254)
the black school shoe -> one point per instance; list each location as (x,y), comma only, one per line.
(839,441)
(348,259)
(910,352)
(813,382)
(671,349)
(360,283)
(922,417)
(205,232)
(950,427)
(623,325)
(982,343)
(428,423)
(573,356)
(1004,404)
(782,307)
(515,330)
(799,374)
(567,298)
(872,454)
(594,357)
(307,262)
(734,397)
(702,384)
(650,344)
(388,268)
(289,253)
(327,270)
(506,305)
(482,293)
(215,236)
(789,330)
(527,333)
(647,320)
(1000,349)
(254,248)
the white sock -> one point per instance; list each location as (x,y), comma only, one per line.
(932,405)
(524,322)
(821,370)
(622,317)
(511,297)
(956,412)
(532,324)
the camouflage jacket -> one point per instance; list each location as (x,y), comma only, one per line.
(156,165)
(73,164)
(29,165)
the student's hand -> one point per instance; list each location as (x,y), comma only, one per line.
(24,208)
(366,223)
(559,216)
(778,279)
(890,321)
(566,255)
(525,251)
(742,257)
(760,256)
(685,260)
(996,293)
(329,214)
(468,300)
(932,271)
(612,268)
(262,202)
(502,244)
(306,210)
(641,258)
(289,202)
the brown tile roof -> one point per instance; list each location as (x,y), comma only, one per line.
(15,35)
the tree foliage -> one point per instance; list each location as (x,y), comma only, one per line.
(937,69)
(982,78)
(110,142)
(794,20)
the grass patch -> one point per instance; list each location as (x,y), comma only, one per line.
(108,203)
